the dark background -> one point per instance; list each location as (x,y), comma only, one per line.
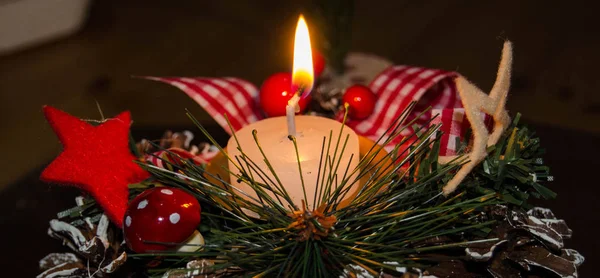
(555,84)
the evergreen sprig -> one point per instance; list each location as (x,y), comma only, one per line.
(393,220)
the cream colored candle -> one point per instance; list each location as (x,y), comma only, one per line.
(272,135)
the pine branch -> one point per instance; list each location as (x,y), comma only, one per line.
(391,218)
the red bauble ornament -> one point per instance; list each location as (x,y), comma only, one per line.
(275,93)
(96,159)
(361,101)
(160,214)
(318,63)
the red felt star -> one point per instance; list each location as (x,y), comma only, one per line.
(96,159)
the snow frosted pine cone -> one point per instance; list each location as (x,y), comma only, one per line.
(96,244)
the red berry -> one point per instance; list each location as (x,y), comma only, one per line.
(318,63)
(361,101)
(160,214)
(275,93)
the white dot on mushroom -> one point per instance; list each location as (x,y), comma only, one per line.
(174,218)
(128,221)
(166,191)
(142,204)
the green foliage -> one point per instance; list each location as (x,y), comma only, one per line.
(513,168)
(396,216)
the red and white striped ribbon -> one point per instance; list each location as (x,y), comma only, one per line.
(454,126)
(234,97)
(396,88)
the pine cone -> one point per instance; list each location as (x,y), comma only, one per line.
(98,248)
(326,102)
(522,244)
(178,142)
(529,244)
(201,268)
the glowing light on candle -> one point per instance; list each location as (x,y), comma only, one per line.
(302,73)
(305,147)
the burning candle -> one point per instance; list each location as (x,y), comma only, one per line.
(307,131)
(302,73)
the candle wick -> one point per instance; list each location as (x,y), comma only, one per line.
(291,109)
(301,90)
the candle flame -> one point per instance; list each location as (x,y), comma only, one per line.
(302,74)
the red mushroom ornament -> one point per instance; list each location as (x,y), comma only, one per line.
(160,215)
